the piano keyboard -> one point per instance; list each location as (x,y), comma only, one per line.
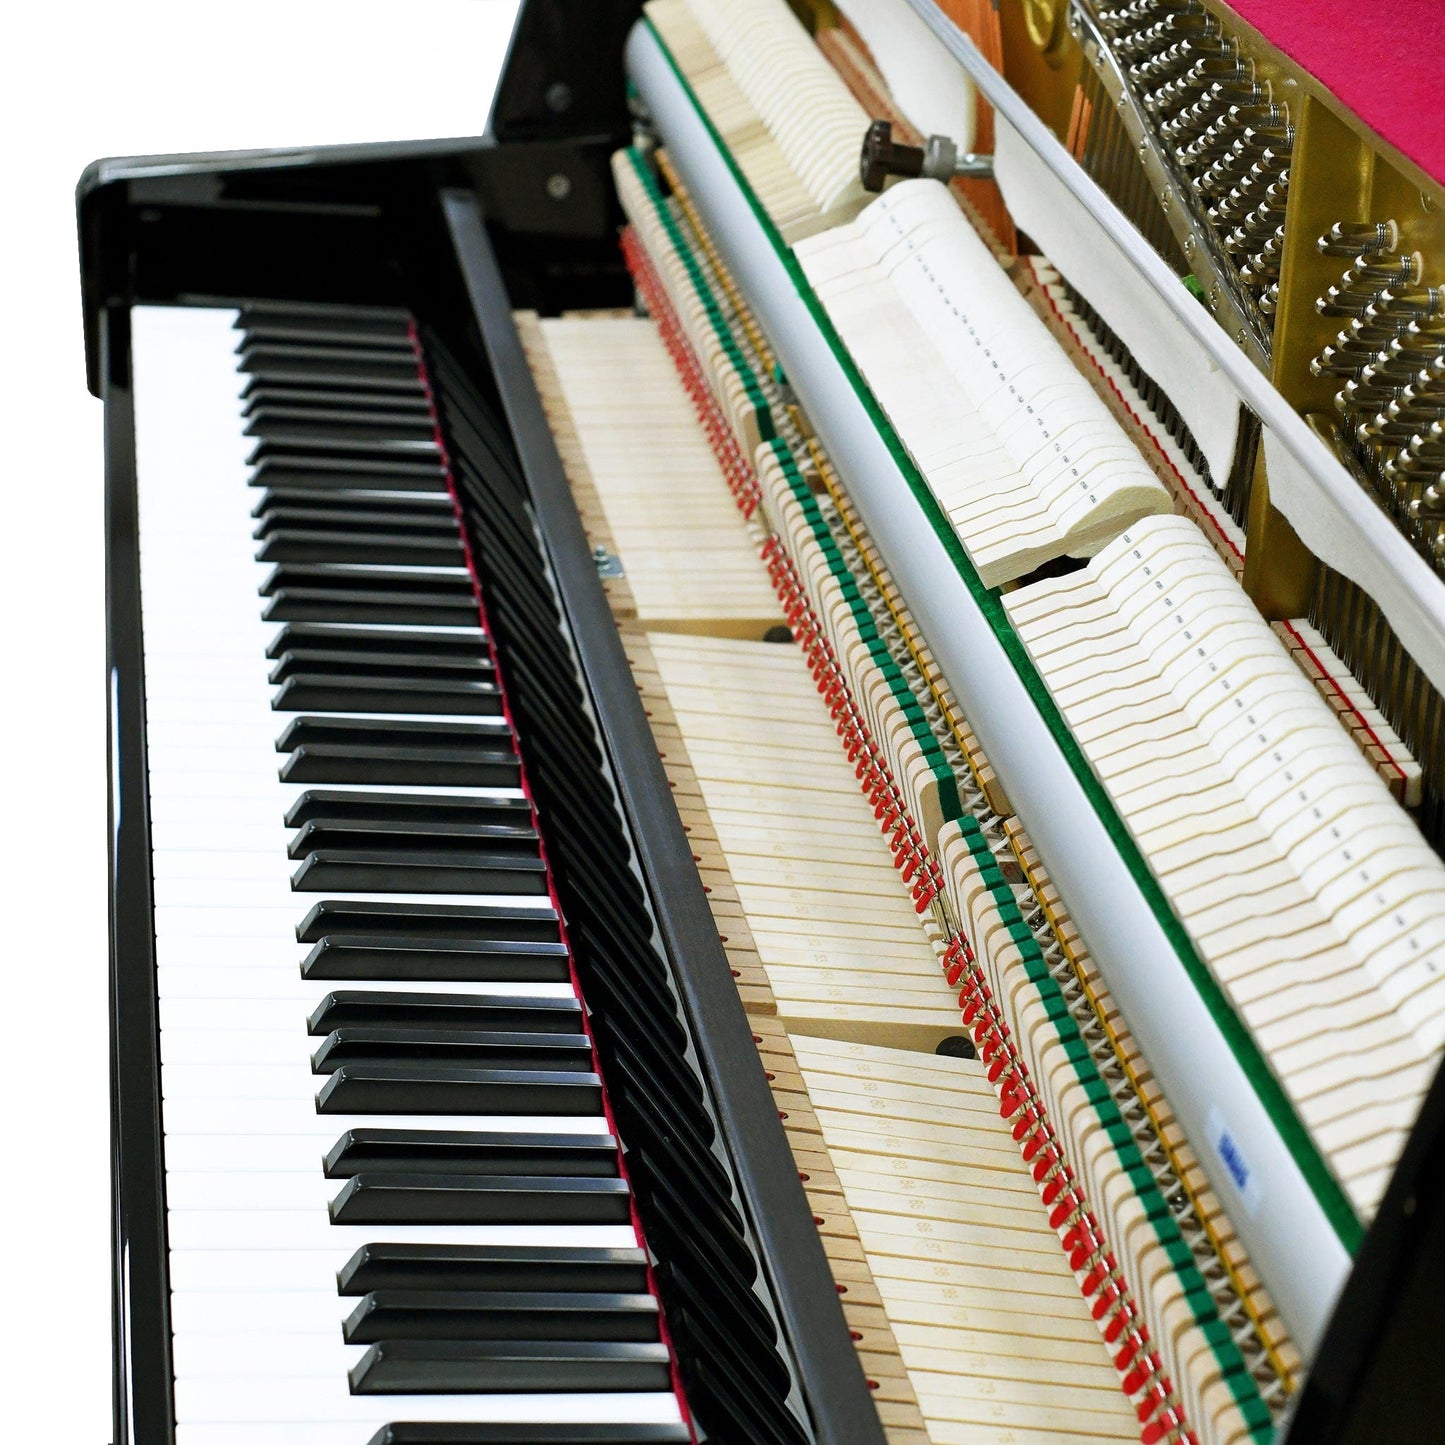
(790,122)
(1022,456)
(1226,766)
(392,1190)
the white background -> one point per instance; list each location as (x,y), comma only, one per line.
(81,81)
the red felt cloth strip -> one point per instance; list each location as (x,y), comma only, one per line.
(1385,62)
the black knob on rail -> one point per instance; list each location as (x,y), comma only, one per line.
(883,157)
(938,159)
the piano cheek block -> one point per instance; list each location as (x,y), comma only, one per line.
(434,1089)
(485,1367)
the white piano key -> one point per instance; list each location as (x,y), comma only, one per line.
(302,1150)
(277,1401)
(246,1311)
(292,1432)
(281,1229)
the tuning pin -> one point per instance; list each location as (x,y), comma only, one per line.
(1359,238)
(1365,281)
(1431,502)
(1366,396)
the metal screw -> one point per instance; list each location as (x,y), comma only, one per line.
(558,97)
(559,187)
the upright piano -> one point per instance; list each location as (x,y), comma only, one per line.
(776,741)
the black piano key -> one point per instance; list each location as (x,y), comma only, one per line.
(323,406)
(325,692)
(295,544)
(399,958)
(426,733)
(281,474)
(325,749)
(296,440)
(485,1367)
(298,364)
(582,1432)
(335,808)
(376,1088)
(492,1267)
(420,835)
(461,646)
(479,922)
(358,1008)
(450,870)
(455,1151)
(425,511)
(329,604)
(345,512)
(378,667)
(496,1315)
(417,1198)
(475,1048)
(444,585)
(323,314)
(437,767)
(411,399)
(271,427)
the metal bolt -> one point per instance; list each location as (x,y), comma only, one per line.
(558,186)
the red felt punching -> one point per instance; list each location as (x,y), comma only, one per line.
(1383,61)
